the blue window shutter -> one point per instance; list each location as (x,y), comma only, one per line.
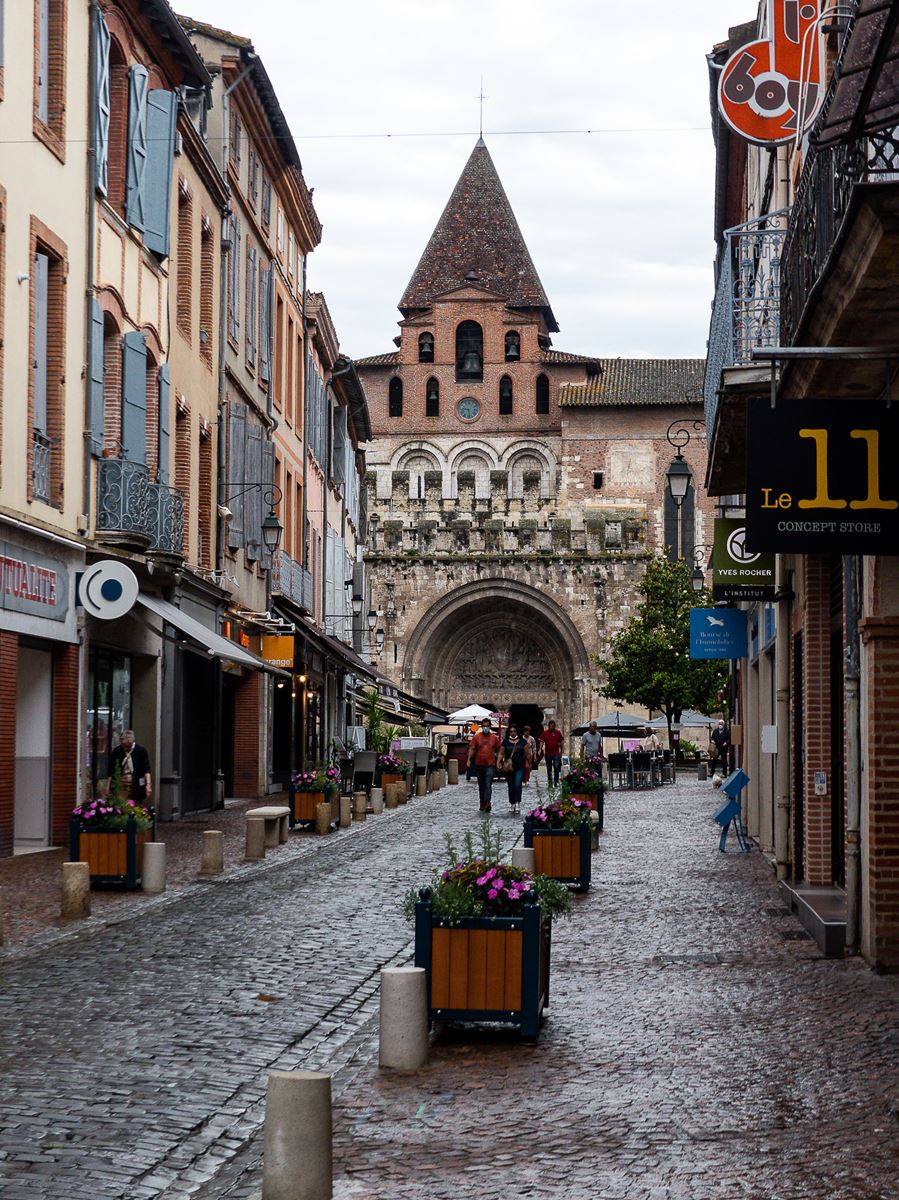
(264,310)
(234,297)
(39,363)
(165,395)
(43,65)
(237,478)
(162,109)
(134,398)
(102,104)
(136,198)
(251,305)
(96,398)
(253,519)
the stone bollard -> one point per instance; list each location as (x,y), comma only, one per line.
(360,804)
(444,777)
(421,785)
(255,838)
(346,811)
(377,801)
(594,830)
(152,867)
(452,775)
(296,1162)
(403,1035)
(76,890)
(323,817)
(390,796)
(335,808)
(523,857)
(702,772)
(213,860)
(402,795)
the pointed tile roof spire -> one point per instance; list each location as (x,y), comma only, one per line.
(477,241)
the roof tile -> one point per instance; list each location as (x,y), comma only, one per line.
(627,381)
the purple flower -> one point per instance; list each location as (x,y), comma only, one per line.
(492,894)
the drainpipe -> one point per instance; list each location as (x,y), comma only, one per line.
(851,580)
(782,717)
(89,289)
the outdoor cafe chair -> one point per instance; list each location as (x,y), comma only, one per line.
(364,765)
(422,759)
(641,768)
(618,769)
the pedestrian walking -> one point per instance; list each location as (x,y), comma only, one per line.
(551,741)
(133,763)
(483,750)
(591,742)
(650,741)
(512,760)
(532,752)
(719,746)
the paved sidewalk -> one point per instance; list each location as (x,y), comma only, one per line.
(697,1048)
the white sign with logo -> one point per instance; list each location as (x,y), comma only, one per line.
(108,589)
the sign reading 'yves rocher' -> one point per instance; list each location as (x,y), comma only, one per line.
(31,583)
(821,477)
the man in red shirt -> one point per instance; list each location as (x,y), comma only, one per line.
(551,740)
(482,753)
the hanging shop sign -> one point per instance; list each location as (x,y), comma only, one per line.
(32,583)
(108,589)
(718,633)
(821,477)
(739,573)
(277,649)
(767,88)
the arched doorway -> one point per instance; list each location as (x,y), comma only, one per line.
(502,639)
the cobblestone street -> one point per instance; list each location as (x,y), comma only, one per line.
(697,1045)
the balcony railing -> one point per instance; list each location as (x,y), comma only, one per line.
(822,203)
(41,457)
(169,533)
(134,511)
(292,581)
(746,311)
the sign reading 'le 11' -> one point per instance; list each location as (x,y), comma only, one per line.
(821,477)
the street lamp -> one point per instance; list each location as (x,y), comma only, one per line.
(379,640)
(372,619)
(271,532)
(679,475)
(271,495)
(698,576)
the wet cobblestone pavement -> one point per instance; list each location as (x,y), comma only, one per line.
(697,1047)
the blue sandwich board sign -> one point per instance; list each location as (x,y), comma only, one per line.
(718,633)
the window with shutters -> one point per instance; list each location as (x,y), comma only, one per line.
(234,282)
(47,354)
(289,373)
(136,173)
(234,500)
(2,60)
(50,74)
(280,232)
(266,280)
(205,498)
(234,136)
(291,253)
(112,388)
(505,396)
(184,301)
(134,397)
(395,397)
(207,291)
(152,434)
(298,375)
(163,428)
(266,201)
(541,403)
(183,464)
(251,307)
(252,177)
(117,139)
(162,111)
(279,352)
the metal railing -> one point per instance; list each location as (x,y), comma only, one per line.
(41,459)
(822,202)
(169,529)
(292,581)
(134,510)
(746,310)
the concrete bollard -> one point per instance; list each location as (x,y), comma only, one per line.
(76,890)
(444,777)
(323,817)
(255,838)
(403,1035)
(452,775)
(346,811)
(296,1163)
(213,860)
(360,805)
(390,796)
(377,801)
(523,857)
(421,785)
(152,868)
(402,795)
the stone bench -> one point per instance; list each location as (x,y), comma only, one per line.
(274,820)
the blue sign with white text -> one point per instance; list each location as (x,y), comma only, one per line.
(718,633)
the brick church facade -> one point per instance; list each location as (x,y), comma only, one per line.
(515,491)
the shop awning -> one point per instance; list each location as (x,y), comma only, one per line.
(212,642)
(335,649)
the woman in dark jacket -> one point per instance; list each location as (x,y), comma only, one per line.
(513,758)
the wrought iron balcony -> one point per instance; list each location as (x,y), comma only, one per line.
(823,202)
(169,528)
(292,581)
(133,511)
(746,311)
(41,457)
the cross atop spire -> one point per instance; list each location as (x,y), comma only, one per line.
(482,98)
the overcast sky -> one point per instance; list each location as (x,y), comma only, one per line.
(619,224)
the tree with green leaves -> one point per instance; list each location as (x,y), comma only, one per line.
(650,662)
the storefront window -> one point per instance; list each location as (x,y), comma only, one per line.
(108,710)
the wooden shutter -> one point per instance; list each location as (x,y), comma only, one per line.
(253,522)
(165,393)
(237,478)
(136,199)
(102,105)
(39,362)
(265,309)
(251,305)
(96,398)
(162,108)
(234,297)
(134,397)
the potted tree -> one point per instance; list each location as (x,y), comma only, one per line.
(483,935)
(307,790)
(584,782)
(559,832)
(109,834)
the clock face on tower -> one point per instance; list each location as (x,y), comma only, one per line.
(468,408)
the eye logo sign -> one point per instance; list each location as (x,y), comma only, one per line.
(736,547)
(108,590)
(767,86)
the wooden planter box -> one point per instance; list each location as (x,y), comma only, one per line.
(303,805)
(561,854)
(112,856)
(595,800)
(485,968)
(387,779)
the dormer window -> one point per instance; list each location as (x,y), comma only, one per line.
(395,397)
(505,396)
(469,352)
(426,347)
(432,398)
(513,346)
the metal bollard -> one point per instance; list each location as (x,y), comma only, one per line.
(403,1033)
(346,811)
(152,870)
(523,857)
(296,1163)
(255,838)
(213,860)
(360,804)
(76,890)
(323,817)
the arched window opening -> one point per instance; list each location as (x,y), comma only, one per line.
(469,352)
(542,396)
(513,346)
(112,388)
(426,347)
(395,397)
(481,468)
(525,464)
(505,396)
(432,398)
(416,465)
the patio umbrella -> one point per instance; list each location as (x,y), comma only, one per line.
(614,724)
(474,712)
(689,719)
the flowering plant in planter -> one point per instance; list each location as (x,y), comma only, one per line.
(391,765)
(110,815)
(563,813)
(479,884)
(583,779)
(318,780)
